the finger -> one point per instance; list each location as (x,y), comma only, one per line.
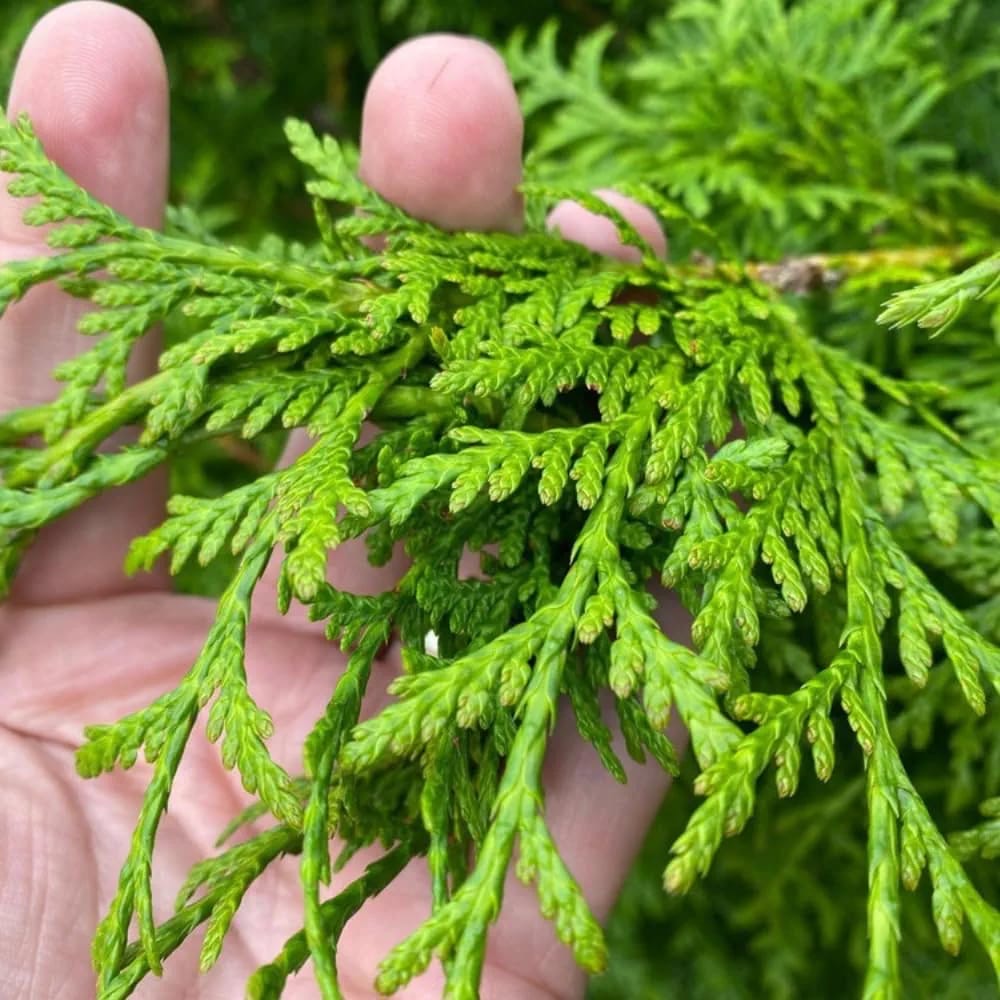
(92,79)
(573,222)
(442,132)
(441,136)
(597,823)
(598,826)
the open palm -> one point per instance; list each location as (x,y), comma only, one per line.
(80,644)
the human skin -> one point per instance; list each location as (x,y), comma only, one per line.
(80,643)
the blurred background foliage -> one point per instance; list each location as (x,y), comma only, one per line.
(790,127)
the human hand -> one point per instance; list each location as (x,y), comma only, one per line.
(81,644)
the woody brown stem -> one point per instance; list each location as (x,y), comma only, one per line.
(813,272)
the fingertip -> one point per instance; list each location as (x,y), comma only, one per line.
(574,223)
(442,132)
(92,78)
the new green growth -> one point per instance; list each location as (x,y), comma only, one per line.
(821,493)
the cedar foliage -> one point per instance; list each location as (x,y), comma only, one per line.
(792,424)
